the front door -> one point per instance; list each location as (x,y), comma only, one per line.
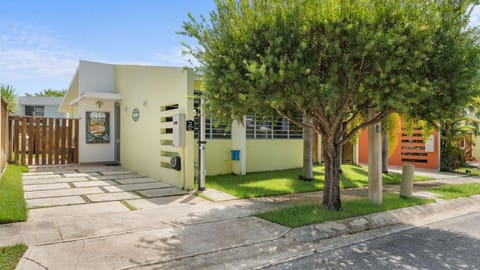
(117,132)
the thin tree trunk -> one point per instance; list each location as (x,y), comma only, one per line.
(385,152)
(307,172)
(331,191)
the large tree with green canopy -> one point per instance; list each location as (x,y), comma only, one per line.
(334,60)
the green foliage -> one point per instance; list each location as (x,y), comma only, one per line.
(453,132)
(9,93)
(451,157)
(334,60)
(49,93)
(286,181)
(457,191)
(9,256)
(13,207)
(305,214)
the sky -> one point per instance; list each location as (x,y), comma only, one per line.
(41,41)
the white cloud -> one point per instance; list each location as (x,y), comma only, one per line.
(174,57)
(32,53)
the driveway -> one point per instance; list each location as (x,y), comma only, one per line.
(79,190)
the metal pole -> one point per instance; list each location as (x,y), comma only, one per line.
(202,142)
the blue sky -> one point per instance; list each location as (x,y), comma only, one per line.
(41,41)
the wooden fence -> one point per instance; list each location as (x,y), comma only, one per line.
(43,141)
(3,133)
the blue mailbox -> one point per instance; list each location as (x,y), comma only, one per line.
(235,154)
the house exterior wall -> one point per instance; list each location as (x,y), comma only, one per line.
(430,160)
(50,105)
(218,158)
(95,77)
(95,152)
(278,154)
(145,147)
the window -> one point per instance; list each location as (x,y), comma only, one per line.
(212,129)
(274,128)
(34,110)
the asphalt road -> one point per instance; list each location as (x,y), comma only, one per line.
(449,244)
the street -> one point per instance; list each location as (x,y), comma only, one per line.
(450,244)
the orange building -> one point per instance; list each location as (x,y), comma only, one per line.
(411,149)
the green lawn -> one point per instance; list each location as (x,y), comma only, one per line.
(13,207)
(305,214)
(468,170)
(286,181)
(457,191)
(9,256)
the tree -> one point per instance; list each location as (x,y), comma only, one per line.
(334,60)
(49,93)
(9,93)
(454,131)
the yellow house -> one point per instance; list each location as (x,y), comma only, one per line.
(136,116)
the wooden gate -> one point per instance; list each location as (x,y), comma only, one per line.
(43,141)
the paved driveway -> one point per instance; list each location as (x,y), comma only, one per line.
(72,190)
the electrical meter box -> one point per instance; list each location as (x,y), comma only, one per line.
(178,130)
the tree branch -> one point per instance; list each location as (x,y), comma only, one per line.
(378,118)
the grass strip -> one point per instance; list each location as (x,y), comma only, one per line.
(129,206)
(286,181)
(456,191)
(13,207)
(10,256)
(306,214)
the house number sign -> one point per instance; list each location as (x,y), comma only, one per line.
(135,114)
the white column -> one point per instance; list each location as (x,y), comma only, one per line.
(239,142)
(374,161)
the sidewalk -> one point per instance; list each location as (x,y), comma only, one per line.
(192,232)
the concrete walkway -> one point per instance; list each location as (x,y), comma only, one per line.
(177,232)
(51,191)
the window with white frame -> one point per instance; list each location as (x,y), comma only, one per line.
(34,110)
(272,128)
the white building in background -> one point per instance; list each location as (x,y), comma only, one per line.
(39,106)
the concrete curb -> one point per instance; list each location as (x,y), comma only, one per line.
(416,215)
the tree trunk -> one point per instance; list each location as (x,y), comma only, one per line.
(385,152)
(331,191)
(307,172)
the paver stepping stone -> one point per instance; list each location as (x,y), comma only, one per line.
(104,197)
(115,177)
(135,180)
(77,210)
(46,186)
(162,192)
(116,172)
(52,180)
(42,176)
(80,174)
(93,183)
(46,202)
(37,173)
(141,186)
(61,192)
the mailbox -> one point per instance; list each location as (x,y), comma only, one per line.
(176,163)
(178,130)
